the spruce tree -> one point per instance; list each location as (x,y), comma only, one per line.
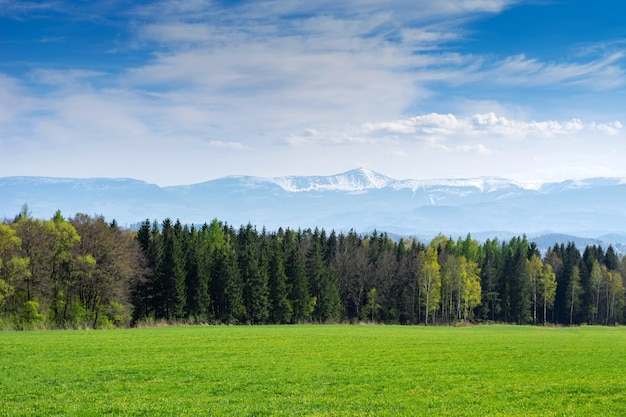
(329,301)
(297,278)
(156,282)
(518,292)
(280,306)
(233,310)
(571,258)
(198,275)
(490,273)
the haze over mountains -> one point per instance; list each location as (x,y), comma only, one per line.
(360,199)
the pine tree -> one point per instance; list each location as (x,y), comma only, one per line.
(329,301)
(491,270)
(314,266)
(610,259)
(204,260)
(173,267)
(295,269)
(139,290)
(280,306)
(234,309)
(253,275)
(517,295)
(571,258)
(198,271)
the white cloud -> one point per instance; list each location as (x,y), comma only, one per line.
(438,129)
(603,74)
(430,124)
(613,128)
(489,124)
(515,129)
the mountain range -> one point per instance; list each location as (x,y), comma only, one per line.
(360,199)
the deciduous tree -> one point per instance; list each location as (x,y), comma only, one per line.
(430,280)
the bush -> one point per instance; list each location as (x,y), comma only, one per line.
(117,314)
(29,317)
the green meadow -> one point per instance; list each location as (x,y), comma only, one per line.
(315,370)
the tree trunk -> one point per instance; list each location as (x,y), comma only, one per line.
(571,309)
(427,305)
(535,307)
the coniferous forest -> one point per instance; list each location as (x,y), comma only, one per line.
(83,272)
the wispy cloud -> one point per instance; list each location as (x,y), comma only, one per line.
(603,73)
(19,9)
(14,102)
(61,78)
(291,65)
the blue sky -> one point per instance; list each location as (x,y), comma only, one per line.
(180,92)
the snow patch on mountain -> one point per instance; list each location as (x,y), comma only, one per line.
(355,181)
(580,184)
(361,180)
(462,187)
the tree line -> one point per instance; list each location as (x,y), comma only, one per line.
(83,272)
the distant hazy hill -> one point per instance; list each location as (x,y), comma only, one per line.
(360,199)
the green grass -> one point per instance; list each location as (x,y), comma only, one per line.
(315,370)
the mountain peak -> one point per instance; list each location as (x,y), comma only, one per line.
(366,177)
(356,180)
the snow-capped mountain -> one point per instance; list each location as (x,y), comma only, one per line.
(361,199)
(357,180)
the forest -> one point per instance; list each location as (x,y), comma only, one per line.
(84,272)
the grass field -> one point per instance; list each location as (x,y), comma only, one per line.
(315,370)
